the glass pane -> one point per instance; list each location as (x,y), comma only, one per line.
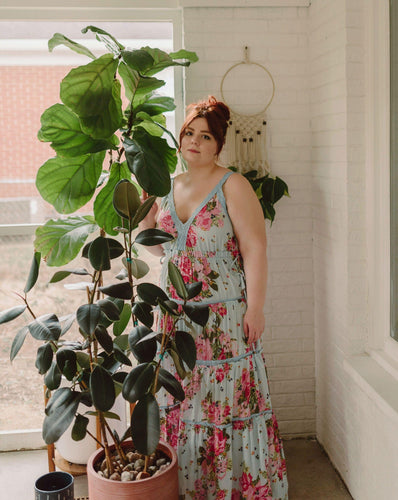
(29,83)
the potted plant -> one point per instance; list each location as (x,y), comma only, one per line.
(108,151)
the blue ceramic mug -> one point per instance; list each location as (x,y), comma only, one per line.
(55,486)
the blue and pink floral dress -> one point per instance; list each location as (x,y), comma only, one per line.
(225,431)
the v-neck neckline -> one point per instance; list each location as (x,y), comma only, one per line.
(204,202)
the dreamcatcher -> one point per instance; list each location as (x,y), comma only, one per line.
(246,141)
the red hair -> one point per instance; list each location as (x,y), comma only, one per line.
(216,114)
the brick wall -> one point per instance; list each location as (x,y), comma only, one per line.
(278,39)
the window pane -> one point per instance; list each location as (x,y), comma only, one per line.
(29,83)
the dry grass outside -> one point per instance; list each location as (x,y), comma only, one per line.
(21,387)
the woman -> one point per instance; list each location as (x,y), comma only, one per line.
(225,431)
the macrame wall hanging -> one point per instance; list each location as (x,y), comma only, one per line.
(246,141)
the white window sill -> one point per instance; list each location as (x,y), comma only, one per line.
(377,376)
(21,440)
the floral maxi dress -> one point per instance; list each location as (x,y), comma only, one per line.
(225,431)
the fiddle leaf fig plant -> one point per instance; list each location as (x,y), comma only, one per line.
(109,148)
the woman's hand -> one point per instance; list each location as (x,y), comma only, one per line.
(253,324)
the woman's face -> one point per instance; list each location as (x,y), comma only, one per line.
(198,145)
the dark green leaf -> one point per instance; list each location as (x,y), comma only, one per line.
(142,352)
(69,183)
(169,306)
(99,254)
(18,341)
(122,341)
(178,363)
(59,39)
(171,384)
(138,382)
(145,425)
(150,159)
(153,236)
(143,312)
(52,380)
(60,412)
(194,289)
(104,211)
(104,339)
(102,389)
(186,348)
(156,105)
(137,86)
(150,293)
(119,291)
(120,356)
(66,361)
(61,127)
(46,327)
(33,273)
(61,240)
(44,358)
(83,358)
(163,60)
(142,211)
(110,309)
(198,314)
(60,275)
(88,316)
(126,199)
(12,313)
(138,60)
(79,429)
(177,280)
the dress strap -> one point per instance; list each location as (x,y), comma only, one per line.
(220,192)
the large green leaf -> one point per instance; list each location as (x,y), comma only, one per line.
(108,119)
(137,382)
(88,316)
(156,106)
(104,211)
(143,352)
(186,348)
(18,341)
(99,255)
(67,362)
(69,183)
(12,313)
(163,60)
(44,358)
(53,377)
(87,89)
(46,327)
(171,384)
(79,429)
(61,127)
(33,272)
(60,275)
(139,268)
(150,293)
(110,309)
(126,199)
(137,87)
(197,313)
(60,241)
(59,39)
(177,281)
(119,291)
(60,412)
(120,325)
(102,389)
(143,211)
(104,339)
(138,60)
(143,313)
(153,236)
(145,425)
(150,159)
(103,36)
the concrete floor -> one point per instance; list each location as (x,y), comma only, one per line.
(310,473)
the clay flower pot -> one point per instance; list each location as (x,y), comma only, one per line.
(164,485)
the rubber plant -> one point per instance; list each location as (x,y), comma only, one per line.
(108,152)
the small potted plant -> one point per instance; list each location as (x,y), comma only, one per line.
(110,152)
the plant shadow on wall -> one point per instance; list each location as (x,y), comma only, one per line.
(110,154)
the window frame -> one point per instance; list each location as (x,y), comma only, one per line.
(31,438)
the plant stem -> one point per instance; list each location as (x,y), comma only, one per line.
(109,463)
(119,449)
(164,335)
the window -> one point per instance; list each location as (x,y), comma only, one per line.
(29,83)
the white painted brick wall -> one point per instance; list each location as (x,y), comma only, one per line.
(278,39)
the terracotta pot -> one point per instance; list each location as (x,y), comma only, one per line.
(162,486)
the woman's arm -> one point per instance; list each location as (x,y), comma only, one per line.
(249,226)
